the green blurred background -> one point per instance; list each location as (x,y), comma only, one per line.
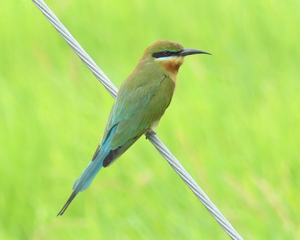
(234,122)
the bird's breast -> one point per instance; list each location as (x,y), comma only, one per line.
(172,65)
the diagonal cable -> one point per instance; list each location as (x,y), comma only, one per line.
(175,164)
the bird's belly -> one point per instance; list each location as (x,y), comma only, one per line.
(154,125)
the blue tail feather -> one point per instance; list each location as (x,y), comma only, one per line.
(88,175)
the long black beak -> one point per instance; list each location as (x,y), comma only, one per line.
(189,51)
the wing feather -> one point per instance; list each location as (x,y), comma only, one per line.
(137,106)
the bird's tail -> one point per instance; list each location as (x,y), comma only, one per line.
(88,175)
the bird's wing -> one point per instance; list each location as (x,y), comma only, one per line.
(137,107)
(136,110)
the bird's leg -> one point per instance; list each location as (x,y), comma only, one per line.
(149,132)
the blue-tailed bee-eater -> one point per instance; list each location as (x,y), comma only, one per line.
(140,103)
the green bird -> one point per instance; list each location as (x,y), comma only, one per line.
(140,103)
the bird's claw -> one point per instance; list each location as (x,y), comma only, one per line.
(149,132)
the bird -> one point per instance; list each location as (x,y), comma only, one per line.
(140,103)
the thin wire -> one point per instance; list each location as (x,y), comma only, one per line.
(99,74)
(175,164)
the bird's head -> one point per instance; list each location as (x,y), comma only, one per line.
(169,54)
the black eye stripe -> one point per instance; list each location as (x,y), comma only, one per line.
(164,53)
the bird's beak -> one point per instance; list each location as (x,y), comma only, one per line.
(189,51)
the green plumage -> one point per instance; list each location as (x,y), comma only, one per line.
(142,100)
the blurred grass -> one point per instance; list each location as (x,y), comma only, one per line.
(234,121)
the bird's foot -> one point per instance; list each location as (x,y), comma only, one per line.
(149,132)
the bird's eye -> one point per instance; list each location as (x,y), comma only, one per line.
(166,53)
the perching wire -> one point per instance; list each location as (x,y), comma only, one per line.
(175,164)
